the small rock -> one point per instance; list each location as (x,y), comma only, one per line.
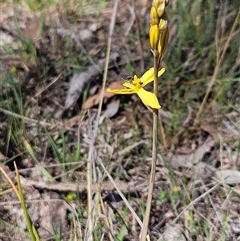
(85,34)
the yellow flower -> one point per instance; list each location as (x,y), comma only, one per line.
(136,87)
(189,218)
(175,189)
(13,69)
(71,196)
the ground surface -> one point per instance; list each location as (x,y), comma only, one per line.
(52,66)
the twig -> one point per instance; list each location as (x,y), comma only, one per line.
(75,187)
(42,123)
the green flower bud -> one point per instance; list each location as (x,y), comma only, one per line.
(163,42)
(163,23)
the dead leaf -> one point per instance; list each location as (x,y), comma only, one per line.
(215,133)
(31,28)
(173,233)
(78,81)
(95,99)
(191,159)
(228,176)
(112,109)
(189,120)
(76,85)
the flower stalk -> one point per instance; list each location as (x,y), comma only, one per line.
(158,36)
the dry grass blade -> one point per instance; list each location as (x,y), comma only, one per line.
(216,70)
(42,90)
(121,194)
(106,219)
(11,183)
(31,228)
(131,147)
(140,44)
(91,156)
(111,29)
(91,159)
(190,204)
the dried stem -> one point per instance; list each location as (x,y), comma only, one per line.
(111,29)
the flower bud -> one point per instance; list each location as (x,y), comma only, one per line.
(156,3)
(160,6)
(161,9)
(163,24)
(154,19)
(153,36)
(163,42)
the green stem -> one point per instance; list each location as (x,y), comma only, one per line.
(154,152)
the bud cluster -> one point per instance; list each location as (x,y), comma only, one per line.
(159,32)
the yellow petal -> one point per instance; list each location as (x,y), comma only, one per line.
(161,71)
(149,76)
(128,85)
(121,91)
(148,99)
